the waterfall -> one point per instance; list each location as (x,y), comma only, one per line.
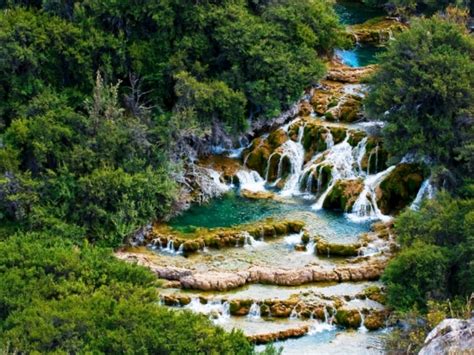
(295,153)
(365,207)
(251,181)
(217,310)
(341,159)
(359,153)
(294,314)
(251,242)
(362,328)
(293,239)
(310,248)
(254,312)
(426,191)
(329,140)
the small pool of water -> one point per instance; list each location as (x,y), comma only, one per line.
(359,56)
(232,210)
(355,12)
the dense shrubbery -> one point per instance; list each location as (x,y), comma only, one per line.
(424,90)
(56,297)
(84,157)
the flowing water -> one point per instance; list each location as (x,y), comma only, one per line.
(298,194)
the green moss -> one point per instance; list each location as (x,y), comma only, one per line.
(348,318)
(343,195)
(399,188)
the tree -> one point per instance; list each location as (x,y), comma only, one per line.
(417,274)
(424,90)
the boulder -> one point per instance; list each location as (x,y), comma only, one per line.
(343,195)
(333,249)
(399,188)
(349,318)
(451,336)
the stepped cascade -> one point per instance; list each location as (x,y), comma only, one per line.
(296,231)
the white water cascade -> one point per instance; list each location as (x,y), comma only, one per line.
(254,312)
(250,242)
(294,151)
(217,310)
(250,180)
(365,207)
(426,191)
(341,160)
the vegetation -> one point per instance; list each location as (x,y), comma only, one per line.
(94,98)
(56,297)
(423,91)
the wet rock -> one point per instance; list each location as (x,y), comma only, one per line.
(343,195)
(377,30)
(281,335)
(375,320)
(348,318)
(344,74)
(333,249)
(305,109)
(257,195)
(218,281)
(375,158)
(399,188)
(451,336)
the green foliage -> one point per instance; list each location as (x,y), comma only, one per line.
(416,274)
(97,174)
(55,297)
(437,258)
(424,90)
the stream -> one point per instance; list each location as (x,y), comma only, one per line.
(325,174)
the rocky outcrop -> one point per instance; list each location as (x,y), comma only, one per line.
(375,158)
(343,195)
(216,281)
(451,336)
(332,249)
(376,31)
(280,335)
(344,74)
(399,188)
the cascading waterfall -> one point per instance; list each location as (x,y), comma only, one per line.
(426,191)
(251,242)
(295,153)
(365,207)
(362,327)
(359,153)
(254,312)
(250,180)
(311,248)
(341,160)
(217,310)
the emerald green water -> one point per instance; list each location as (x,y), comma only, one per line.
(354,12)
(359,56)
(232,210)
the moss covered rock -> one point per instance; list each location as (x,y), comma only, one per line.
(333,249)
(377,30)
(399,188)
(343,195)
(348,318)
